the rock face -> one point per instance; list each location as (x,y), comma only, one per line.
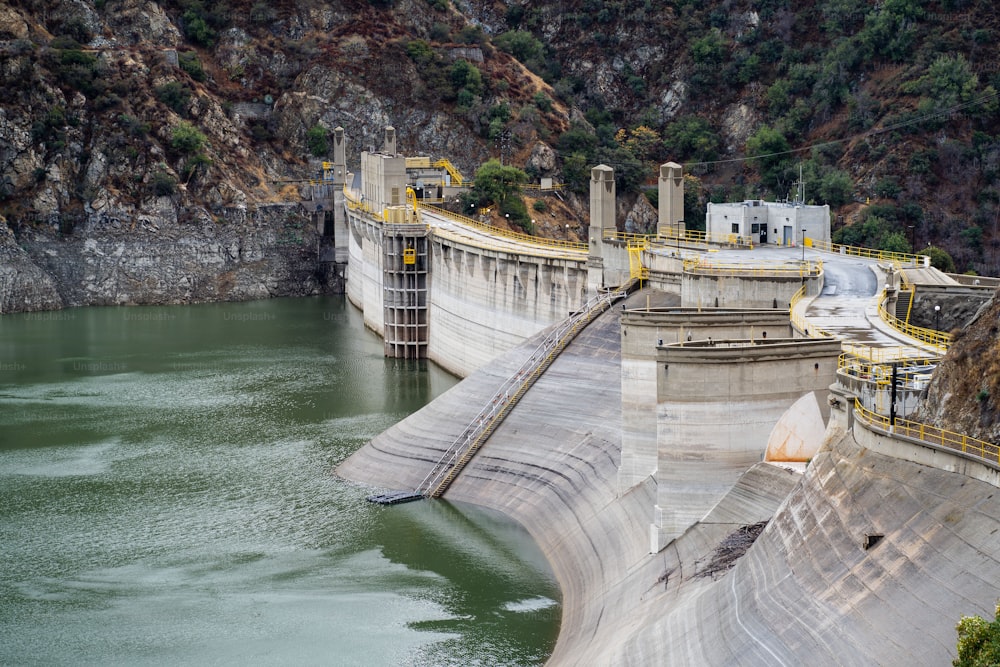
(23,285)
(271,252)
(964,394)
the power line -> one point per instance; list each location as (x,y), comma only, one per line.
(889,128)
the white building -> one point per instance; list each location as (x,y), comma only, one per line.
(777,223)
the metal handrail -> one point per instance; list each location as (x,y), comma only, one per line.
(699,265)
(698,236)
(938,339)
(869,253)
(799,320)
(517,236)
(510,392)
(987,452)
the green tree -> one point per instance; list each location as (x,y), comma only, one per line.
(187,139)
(575,173)
(643,142)
(940,259)
(175,95)
(465,75)
(514,209)
(835,188)
(577,139)
(690,138)
(772,156)
(163,184)
(521,44)
(316,141)
(189,62)
(494,182)
(197,29)
(978,641)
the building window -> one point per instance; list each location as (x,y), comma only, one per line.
(736,228)
(755,228)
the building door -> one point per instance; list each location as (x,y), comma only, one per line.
(788,237)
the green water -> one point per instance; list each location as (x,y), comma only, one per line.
(167,498)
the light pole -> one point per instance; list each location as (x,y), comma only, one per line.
(803,246)
(937,318)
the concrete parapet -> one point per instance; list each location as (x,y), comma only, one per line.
(644,330)
(717,403)
(742,291)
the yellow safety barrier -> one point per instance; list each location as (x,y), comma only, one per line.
(635,248)
(986,451)
(700,237)
(881,255)
(517,236)
(798,319)
(885,355)
(456,175)
(807,269)
(881,372)
(938,339)
(625,237)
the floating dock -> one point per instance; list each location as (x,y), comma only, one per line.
(395,497)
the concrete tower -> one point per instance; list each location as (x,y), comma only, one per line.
(390,141)
(671,191)
(339,180)
(602,217)
(339,157)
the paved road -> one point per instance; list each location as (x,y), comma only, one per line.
(848,305)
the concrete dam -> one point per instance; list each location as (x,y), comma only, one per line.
(710,484)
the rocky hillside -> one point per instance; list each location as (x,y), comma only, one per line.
(134,121)
(965,394)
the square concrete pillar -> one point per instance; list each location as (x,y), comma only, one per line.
(671,198)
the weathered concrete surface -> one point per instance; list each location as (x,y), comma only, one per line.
(806,592)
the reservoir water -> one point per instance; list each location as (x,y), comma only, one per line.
(167,497)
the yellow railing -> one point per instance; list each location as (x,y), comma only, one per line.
(986,451)
(635,248)
(517,236)
(538,186)
(881,372)
(625,237)
(456,175)
(869,253)
(701,237)
(885,355)
(798,319)
(807,269)
(938,339)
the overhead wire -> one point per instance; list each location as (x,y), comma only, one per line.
(881,130)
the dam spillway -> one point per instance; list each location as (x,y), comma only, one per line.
(808,589)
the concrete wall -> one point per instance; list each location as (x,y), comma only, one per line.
(364,271)
(484,302)
(644,330)
(707,291)
(717,404)
(481,302)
